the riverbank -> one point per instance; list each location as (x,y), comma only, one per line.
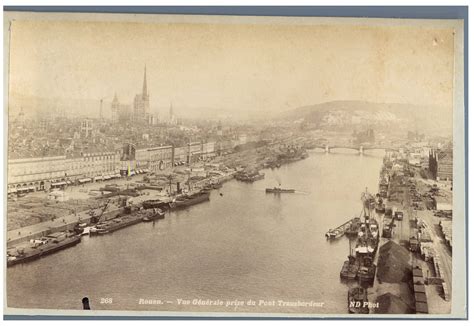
(150,187)
(37,212)
(246,236)
(413,197)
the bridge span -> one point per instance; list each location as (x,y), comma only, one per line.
(359,148)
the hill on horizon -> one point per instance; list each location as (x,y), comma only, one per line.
(354,114)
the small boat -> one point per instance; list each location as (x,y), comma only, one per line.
(86,231)
(339,231)
(334,233)
(350,268)
(93,230)
(357,300)
(353,227)
(278,190)
(82,229)
(156,214)
(215,185)
(366,274)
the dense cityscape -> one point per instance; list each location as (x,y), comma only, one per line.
(41,156)
(75,176)
(234,166)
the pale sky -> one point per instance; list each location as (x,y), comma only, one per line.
(263,67)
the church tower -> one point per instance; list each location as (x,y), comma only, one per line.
(145,90)
(172,119)
(115,108)
(141,104)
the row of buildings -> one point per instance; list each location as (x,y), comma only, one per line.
(440,164)
(438,160)
(43,173)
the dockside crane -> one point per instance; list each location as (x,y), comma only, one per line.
(96,218)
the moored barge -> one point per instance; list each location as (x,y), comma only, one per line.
(249,177)
(115,224)
(41,247)
(357,300)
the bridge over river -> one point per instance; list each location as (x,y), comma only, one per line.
(359,148)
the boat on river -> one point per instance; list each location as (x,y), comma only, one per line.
(350,268)
(360,263)
(155,214)
(353,227)
(366,273)
(189,200)
(41,247)
(334,233)
(249,176)
(278,190)
(357,300)
(155,203)
(339,231)
(115,224)
(367,240)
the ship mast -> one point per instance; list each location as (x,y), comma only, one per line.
(350,247)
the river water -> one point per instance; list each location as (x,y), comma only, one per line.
(244,245)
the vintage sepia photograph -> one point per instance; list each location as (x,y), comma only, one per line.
(172,165)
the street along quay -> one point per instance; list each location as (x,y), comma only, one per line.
(411,270)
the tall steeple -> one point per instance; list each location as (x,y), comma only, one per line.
(145,91)
(141,103)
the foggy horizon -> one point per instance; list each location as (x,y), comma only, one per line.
(278,67)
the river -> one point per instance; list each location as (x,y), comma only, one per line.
(243,245)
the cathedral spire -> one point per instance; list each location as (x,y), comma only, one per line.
(145,91)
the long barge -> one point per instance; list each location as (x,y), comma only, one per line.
(115,224)
(44,246)
(155,203)
(249,177)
